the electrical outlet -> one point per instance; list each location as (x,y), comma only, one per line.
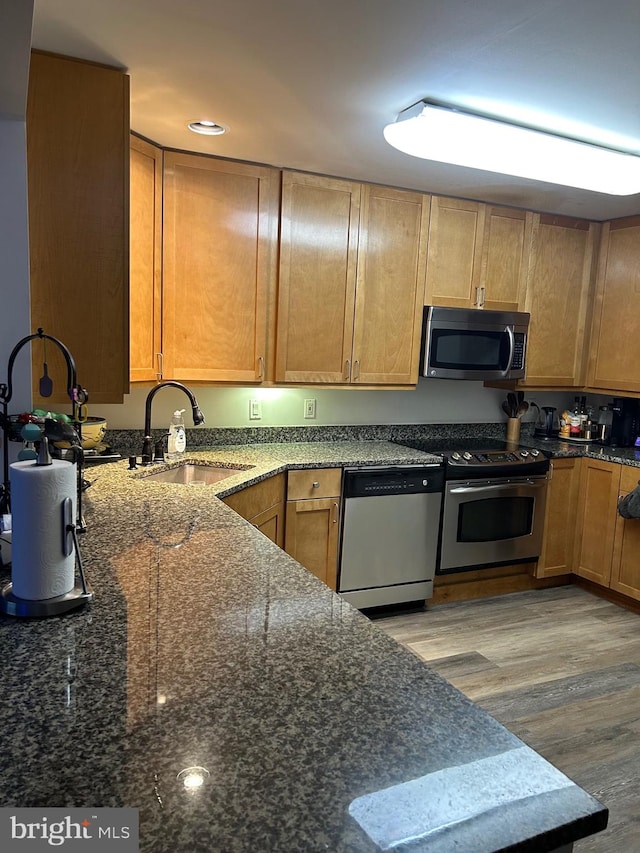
(255,410)
(310,408)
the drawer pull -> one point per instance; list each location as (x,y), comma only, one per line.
(316,485)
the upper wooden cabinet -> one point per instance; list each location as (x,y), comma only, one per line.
(615,351)
(477,256)
(219,265)
(78,186)
(352,261)
(557,297)
(145,261)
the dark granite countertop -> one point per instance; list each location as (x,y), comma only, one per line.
(558,448)
(208,646)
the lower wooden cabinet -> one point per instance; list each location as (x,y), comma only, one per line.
(625,568)
(560,517)
(263,505)
(596,520)
(312,521)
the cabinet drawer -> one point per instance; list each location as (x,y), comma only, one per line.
(314,483)
(629,477)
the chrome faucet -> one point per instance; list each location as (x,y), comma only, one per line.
(148,453)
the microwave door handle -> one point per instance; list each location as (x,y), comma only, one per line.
(512,347)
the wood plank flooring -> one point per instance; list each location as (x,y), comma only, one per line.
(560,668)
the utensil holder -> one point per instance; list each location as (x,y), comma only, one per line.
(513,429)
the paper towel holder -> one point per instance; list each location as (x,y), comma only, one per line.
(12,605)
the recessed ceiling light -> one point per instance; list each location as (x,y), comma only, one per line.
(208,128)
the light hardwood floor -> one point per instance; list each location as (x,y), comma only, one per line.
(560,668)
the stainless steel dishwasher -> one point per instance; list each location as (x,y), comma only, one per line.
(389,539)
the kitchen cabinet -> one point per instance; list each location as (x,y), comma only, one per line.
(625,572)
(312,526)
(477,255)
(219,268)
(558,295)
(351,286)
(78,192)
(596,520)
(560,515)
(615,360)
(263,505)
(145,261)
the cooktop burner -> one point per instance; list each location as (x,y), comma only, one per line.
(482,457)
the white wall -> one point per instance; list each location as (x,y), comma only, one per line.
(434,401)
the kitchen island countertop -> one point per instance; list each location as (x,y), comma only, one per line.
(208,646)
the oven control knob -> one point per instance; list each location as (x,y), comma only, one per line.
(455,455)
(466,455)
(535,453)
(524,453)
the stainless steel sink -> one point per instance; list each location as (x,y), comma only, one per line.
(190,474)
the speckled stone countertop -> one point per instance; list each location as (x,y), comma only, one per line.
(555,449)
(208,646)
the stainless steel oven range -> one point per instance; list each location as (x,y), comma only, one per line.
(494,504)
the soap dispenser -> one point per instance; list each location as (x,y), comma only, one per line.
(177,441)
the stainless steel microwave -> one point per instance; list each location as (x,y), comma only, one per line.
(469,343)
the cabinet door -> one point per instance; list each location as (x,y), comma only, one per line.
(145,261)
(558,293)
(311,536)
(505,255)
(615,362)
(220,223)
(560,519)
(595,530)
(625,574)
(390,286)
(78,166)
(271,523)
(318,248)
(254,500)
(454,257)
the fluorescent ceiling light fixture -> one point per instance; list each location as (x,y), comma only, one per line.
(449,136)
(206,127)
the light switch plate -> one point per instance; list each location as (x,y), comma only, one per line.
(310,408)
(255,410)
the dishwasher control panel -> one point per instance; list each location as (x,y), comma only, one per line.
(401,480)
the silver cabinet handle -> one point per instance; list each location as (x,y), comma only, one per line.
(477,302)
(335,515)
(347,369)
(261,367)
(159,357)
(356,369)
(482,291)
(316,484)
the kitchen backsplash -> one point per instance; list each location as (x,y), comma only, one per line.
(131,440)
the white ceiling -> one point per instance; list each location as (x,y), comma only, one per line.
(310,84)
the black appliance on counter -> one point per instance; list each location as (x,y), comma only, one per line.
(494,503)
(625,424)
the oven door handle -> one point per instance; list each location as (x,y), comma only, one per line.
(498,487)
(512,349)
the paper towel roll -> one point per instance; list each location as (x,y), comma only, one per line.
(39,568)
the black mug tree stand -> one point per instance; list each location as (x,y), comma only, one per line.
(81,593)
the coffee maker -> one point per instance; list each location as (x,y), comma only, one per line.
(625,424)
